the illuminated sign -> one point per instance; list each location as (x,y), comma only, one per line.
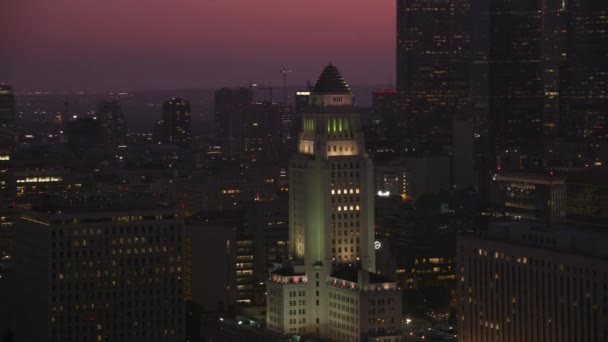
(384,193)
(377,245)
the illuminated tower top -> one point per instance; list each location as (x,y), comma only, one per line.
(331,126)
(331,188)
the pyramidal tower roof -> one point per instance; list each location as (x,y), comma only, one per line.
(331,82)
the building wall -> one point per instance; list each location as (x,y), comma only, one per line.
(287,307)
(433,60)
(534,197)
(109,276)
(344,314)
(209,265)
(530,291)
(31,283)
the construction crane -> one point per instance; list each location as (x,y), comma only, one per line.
(284,72)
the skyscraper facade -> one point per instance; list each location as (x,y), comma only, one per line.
(554,55)
(8,113)
(388,127)
(585,80)
(433,58)
(330,288)
(228,104)
(538,79)
(260,131)
(515,118)
(113,121)
(176,122)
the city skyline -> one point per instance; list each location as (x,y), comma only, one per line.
(171,171)
(74,46)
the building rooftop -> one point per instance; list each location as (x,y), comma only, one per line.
(92,202)
(331,82)
(351,273)
(565,239)
(286,272)
(529,177)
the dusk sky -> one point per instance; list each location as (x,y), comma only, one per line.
(71,45)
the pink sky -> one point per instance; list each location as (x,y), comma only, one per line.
(150,44)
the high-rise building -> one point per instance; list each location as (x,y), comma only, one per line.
(554,54)
(8,113)
(433,59)
(259,137)
(286,112)
(176,127)
(538,79)
(388,126)
(411,177)
(86,136)
(584,98)
(113,122)
(98,268)
(515,83)
(463,173)
(526,282)
(7,193)
(210,263)
(329,288)
(227,106)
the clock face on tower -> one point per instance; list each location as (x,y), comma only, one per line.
(377,245)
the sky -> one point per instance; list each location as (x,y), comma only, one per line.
(98,45)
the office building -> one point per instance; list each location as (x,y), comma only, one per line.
(411,177)
(267,222)
(286,113)
(176,127)
(515,84)
(259,137)
(113,122)
(86,137)
(587,199)
(433,58)
(539,197)
(387,126)
(227,105)
(8,112)
(527,282)
(7,145)
(584,99)
(209,262)
(463,172)
(329,287)
(554,56)
(98,267)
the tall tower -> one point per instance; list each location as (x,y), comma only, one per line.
(331,190)
(433,62)
(8,113)
(331,229)
(112,121)
(176,121)
(228,104)
(584,99)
